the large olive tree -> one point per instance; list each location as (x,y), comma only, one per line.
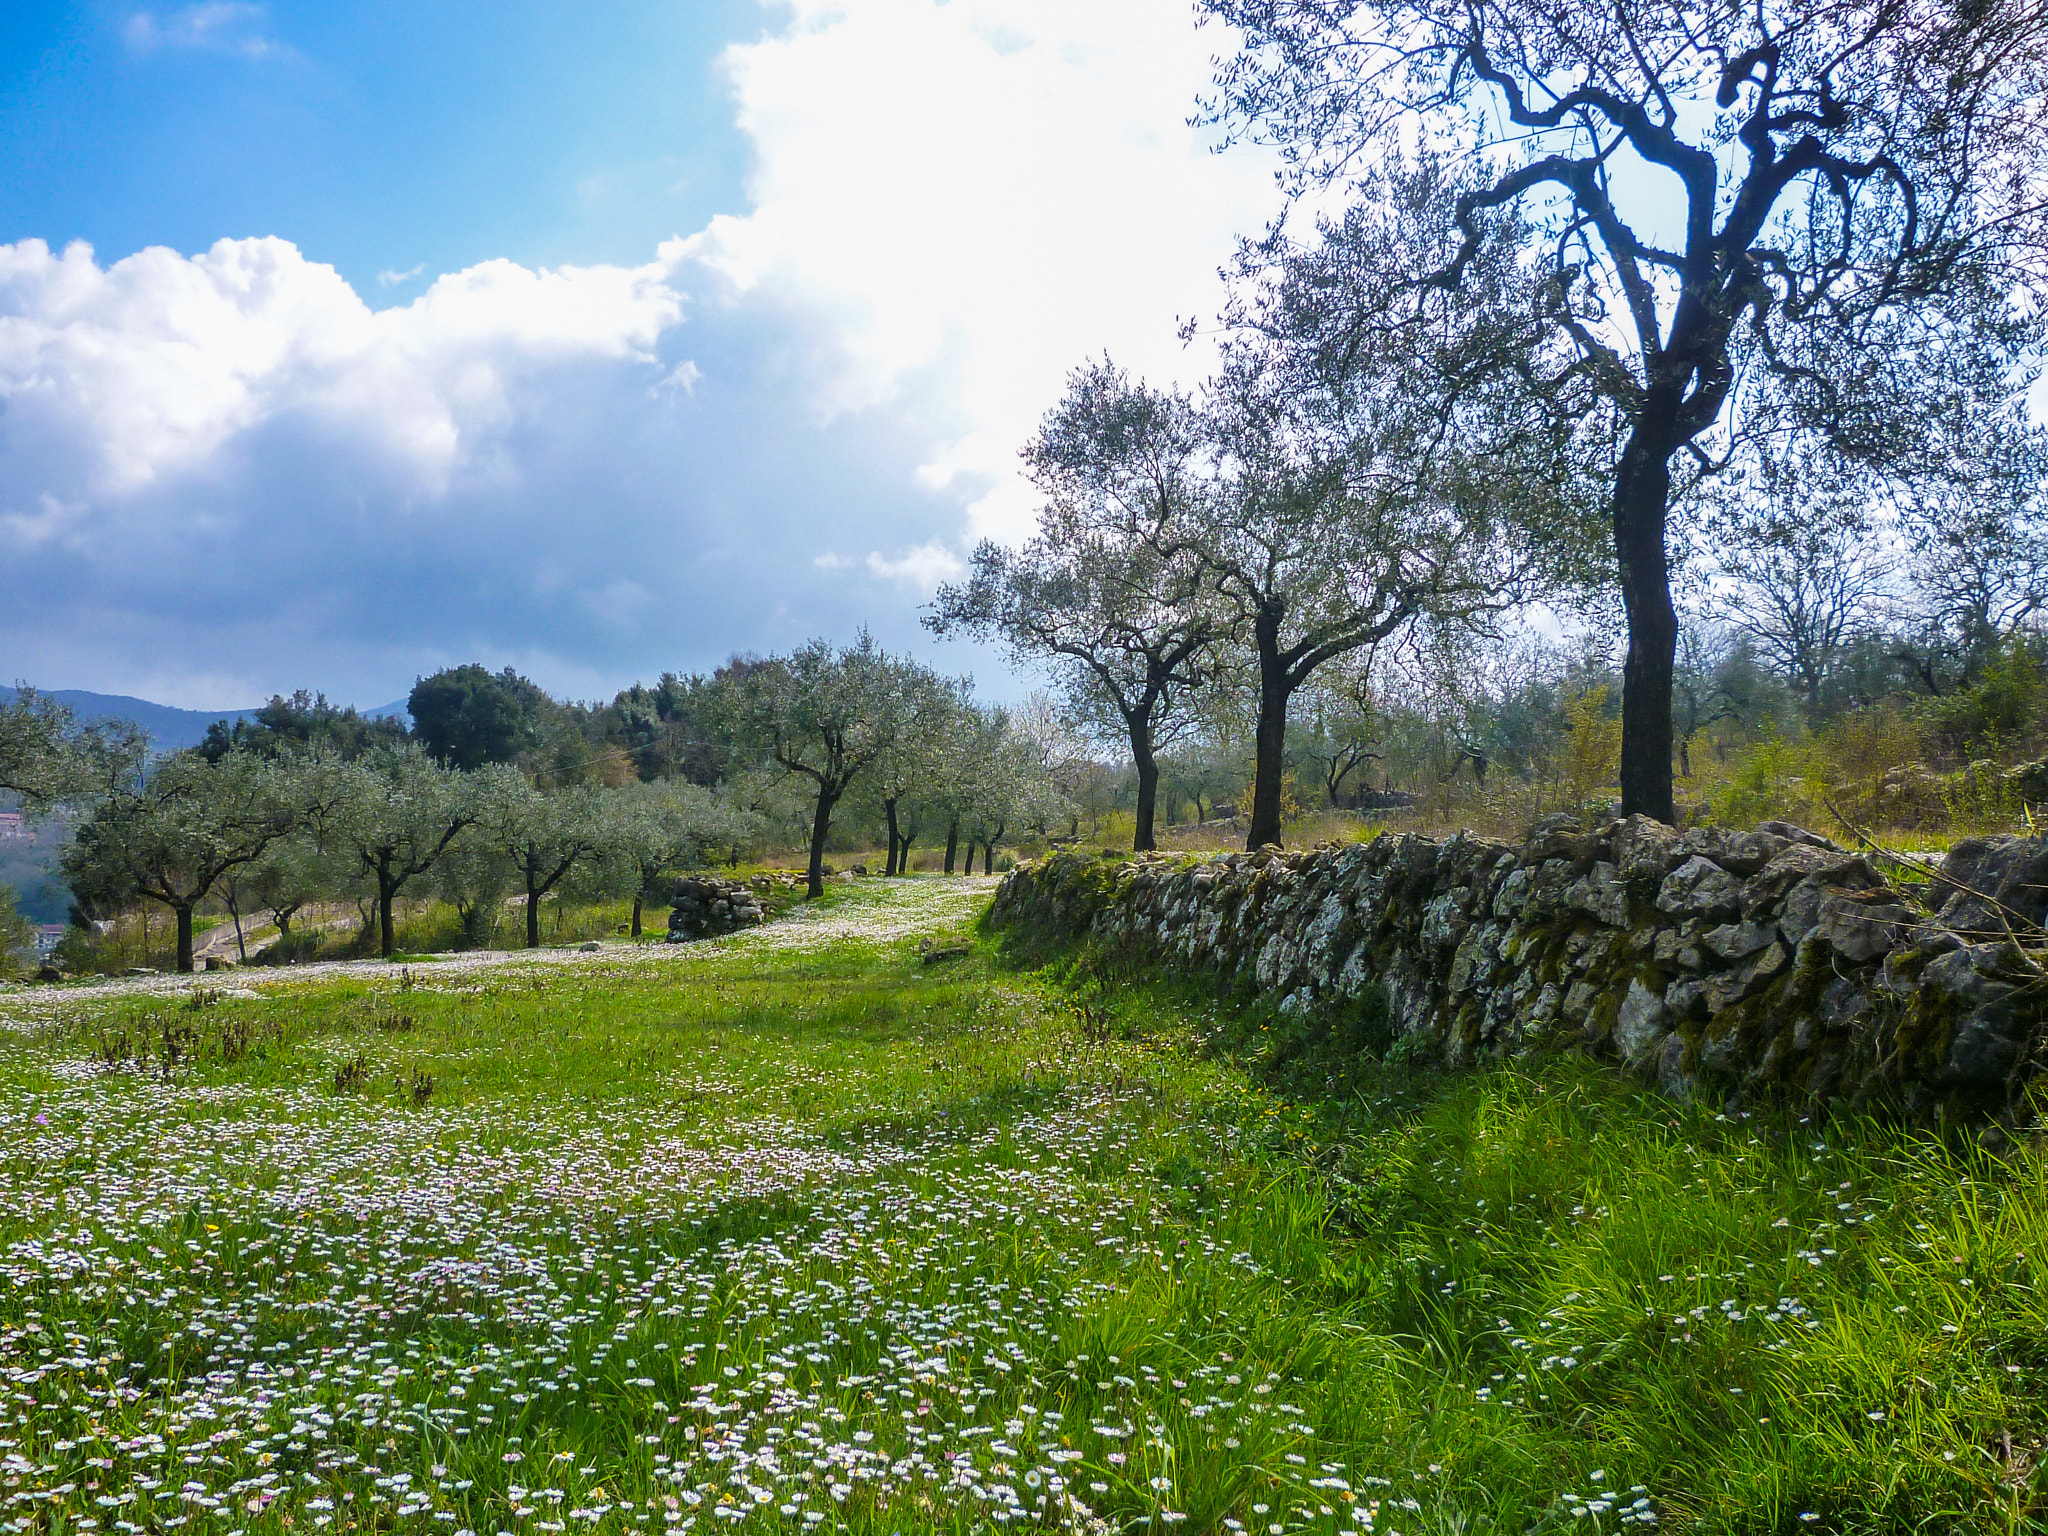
(828,714)
(1107,592)
(172,837)
(1830,203)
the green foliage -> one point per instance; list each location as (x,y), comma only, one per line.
(1769,780)
(172,837)
(2005,706)
(79,953)
(47,757)
(468,716)
(1591,753)
(301,723)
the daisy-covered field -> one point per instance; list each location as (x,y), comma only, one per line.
(794,1231)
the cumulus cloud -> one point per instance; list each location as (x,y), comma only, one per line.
(116,377)
(230,466)
(977,195)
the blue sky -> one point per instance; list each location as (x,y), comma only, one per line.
(342,342)
(378,137)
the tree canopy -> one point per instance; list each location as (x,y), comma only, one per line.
(468,716)
(1749,221)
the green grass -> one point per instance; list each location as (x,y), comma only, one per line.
(817,1228)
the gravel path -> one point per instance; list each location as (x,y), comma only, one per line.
(874,912)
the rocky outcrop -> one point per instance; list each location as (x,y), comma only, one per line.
(1721,964)
(705,906)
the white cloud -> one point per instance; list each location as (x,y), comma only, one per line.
(682,379)
(976,196)
(216,26)
(153,365)
(921,569)
(390,279)
(230,466)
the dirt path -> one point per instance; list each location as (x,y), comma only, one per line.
(871,911)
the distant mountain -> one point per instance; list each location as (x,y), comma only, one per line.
(170,730)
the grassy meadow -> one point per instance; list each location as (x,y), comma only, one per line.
(795,1231)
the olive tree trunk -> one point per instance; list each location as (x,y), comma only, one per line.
(387,934)
(821,826)
(1143,839)
(1642,494)
(1269,739)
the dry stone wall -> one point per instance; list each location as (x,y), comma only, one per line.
(704,906)
(1725,965)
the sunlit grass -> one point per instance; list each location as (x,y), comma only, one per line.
(802,1232)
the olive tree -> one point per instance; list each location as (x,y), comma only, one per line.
(46,756)
(671,824)
(1107,592)
(1801,568)
(291,875)
(542,835)
(475,877)
(1828,201)
(1207,771)
(393,814)
(1374,475)
(906,779)
(172,838)
(1978,542)
(1064,748)
(1003,784)
(827,714)
(1343,729)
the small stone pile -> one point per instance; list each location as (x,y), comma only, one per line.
(704,906)
(1720,963)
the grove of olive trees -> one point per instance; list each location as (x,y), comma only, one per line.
(500,796)
(1830,230)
